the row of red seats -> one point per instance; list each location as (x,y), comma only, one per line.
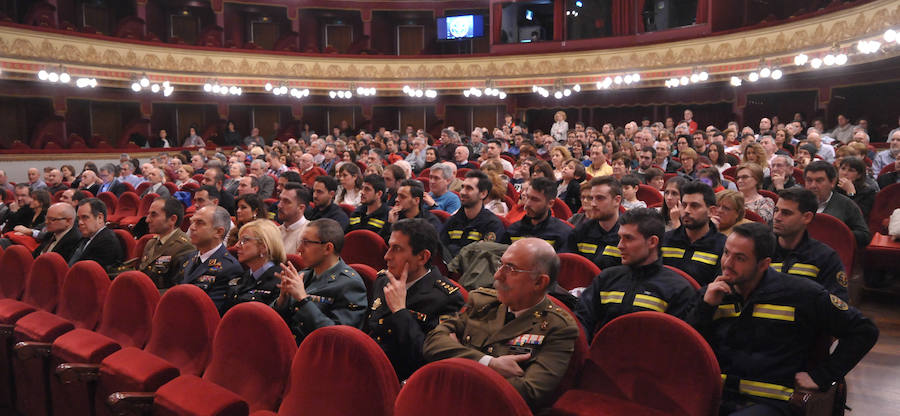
(77,330)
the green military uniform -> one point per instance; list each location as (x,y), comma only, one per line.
(161,261)
(545,331)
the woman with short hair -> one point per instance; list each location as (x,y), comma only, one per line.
(749,182)
(261,251)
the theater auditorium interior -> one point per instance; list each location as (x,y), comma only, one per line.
(449,207)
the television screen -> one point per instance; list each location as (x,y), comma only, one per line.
(460,27)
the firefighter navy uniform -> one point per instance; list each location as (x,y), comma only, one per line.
(552,230)
(591,241)
(459,231)
(374,222)
(700,259)
(814,260)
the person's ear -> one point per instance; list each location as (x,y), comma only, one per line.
(653,242)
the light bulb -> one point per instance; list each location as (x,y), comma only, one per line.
(777,74)
(502,95)
(545,93)
(695,78)
(43,75)
(607,82)
(890,35)
(168,91)
(216,88)
(53,77)
(406,89)
(576,88)
(704,76)
(348,94)
(165,84)
(765,72)
(567,92)
(65,78)
(269,86)
(636,78)
(93,83)
(145,82)
(735,81)
(419,93)
(829,60)
(467,93)
(558,95)
(136,87)
(801,59)
(618,79)
(684,80)
(207,87)
(816,63)
(154,88)
(627,79)
(753,77)
(842,58)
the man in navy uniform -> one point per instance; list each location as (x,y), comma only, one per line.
(538,220)
(323,191)
(328,292)
(597,238)
(410,297)
(211,266)
(472,222)
(408,204)
(763,325)
(372,213)
(696,246)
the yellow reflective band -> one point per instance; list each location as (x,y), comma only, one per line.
(474,235)
(514,239)
(354,220)
(783,313)
(767,390)
(455,234)
(776,266)
(612,251)
(551,242)
(611,297)
(726,311)
(708,258)
(804,269)
(376,223)
(650,302)
(673,252)
(587,248)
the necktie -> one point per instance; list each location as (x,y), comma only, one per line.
(49,244)
(78,252)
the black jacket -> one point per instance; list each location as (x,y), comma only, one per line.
(700,259)
(333,211)
(572,195)
(105,249)
(864,198)
(66,245)
(459,231)
(360,220)
(552,230)
(247,289)
(591,241)
(424,214)
(812,259)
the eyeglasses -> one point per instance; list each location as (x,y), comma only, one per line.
(57,218)
(744,177)
(246,239)
(307,242)
(506,267)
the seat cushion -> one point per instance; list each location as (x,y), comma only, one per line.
(582,402)
(12,310)
(41,326)
(133,369)
(263,413)
(83,346)
(191,395)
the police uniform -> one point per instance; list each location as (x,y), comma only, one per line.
(374,222)
(161,261)
(700,259)
(552,230)
(248,288)
(336,297)
(815,260)
(332,211)
(761,342)
(402,334)
(460,231)
(213,274)
(621,290)
(545,331)
(591,241)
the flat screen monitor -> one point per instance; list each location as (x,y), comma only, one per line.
(460,27)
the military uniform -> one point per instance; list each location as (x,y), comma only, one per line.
(460,231)
(700,259)
(161,261)
(591,241)
(402,334)
(815,260)
(247,288)
(623,289)
(361,220)
(761,342)
(545,331)
(552,230)
(213,274)
(336,297)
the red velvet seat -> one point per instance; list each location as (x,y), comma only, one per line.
(576,271)
(646,363)
(180,343)
(140,189)
(348,209)
(126,206)
(769,194)
(686,276)
(142,211)
(127,241)
(369,275)
(366,247)
(110,200)
(244,373)
(579,356)
(139,245)
(296,260)
(649,194)
(752,216)
(80,303)
(127,314)
(458,386)
(15,264)
(442,215)
(835,234)
(352,376)
(561,210)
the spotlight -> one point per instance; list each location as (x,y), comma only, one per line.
(154,88)
(43,75)
(567,92)
(64,77)
(53,77)
(765,72)
(829,60)
(627,79)
(801,59)
(168,91)
(165,84)
(891,36)
(576,88)
(340,94)
(534,88)
(545,93)
(216,88)
(145,82)
(466,93)
(816,63)
(684,80)
(502,95)
(431,93)
(735,81)
(695,78)
(136,87)
(558,95)
(93,83)
(704,76)
(206,87)
(419,93)
(777,74)
(636,78)
(618,79)
(406,89)
(348,94)
(753,77)
(841,59)
(269,86)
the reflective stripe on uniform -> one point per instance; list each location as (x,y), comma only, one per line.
(514,239)
(474,235)
(354,220)
(776,266)
(612,251)
(783,313)
(804,269)
(455,234)
(611,297)
(375,222)
(587,248)
(767,390)
(708,258)
(726,311)
(673,252)
(650,302)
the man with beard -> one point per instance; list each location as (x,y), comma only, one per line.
(538,221)
(597,239)
(641,283)
(371,214)
(409,205)
(472,222)
(324,189)
(695,246)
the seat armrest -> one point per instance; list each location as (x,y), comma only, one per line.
(6,330)
(130,403)
(77,373)
(28,350)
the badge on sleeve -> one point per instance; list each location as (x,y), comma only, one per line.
(842,278)
(838,303)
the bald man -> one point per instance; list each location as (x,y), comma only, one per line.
(61,234)
(90,182)
(54,181)
(34,179)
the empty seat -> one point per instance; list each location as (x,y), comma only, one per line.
(576,271)
(142,211)
(649,195)
(139,245)
(126,206)
(110,200)
(339,370)
(646,363)
(127,240)
(560,209)
(366,247)
(458,386)
(835,234)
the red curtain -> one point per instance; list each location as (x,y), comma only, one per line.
(702,11)
(625,15)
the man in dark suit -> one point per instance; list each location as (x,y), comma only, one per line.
(108,174)
(663,160)
(215,177)
(211,267)
(61,234)
(820,178)
(98,243)
(90,182)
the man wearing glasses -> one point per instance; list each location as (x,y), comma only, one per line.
(782,174)
(62,234)
(515,329)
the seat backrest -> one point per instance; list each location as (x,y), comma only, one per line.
(561,210)
(643,357)
(171,187)
(686,276)
(83,293)
(126,239)
(835,234)
(579,356)
(730,171)
(296,260)
(348,209)
(183,328)
(141,188)
(576,271)
(769,194)
(442,215)
(352,375)
(369,275)
(146,201)
(886,201)
(127,204)
(366,247)
(16,265)
(138,250)
(45,281)
(251,356)
(128,309)
(110,200)
(752,216)
(458,386)
(648,194)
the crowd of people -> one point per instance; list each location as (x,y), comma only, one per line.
(496,207)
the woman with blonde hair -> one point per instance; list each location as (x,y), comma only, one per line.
(261,251)
(184,175)
(754,153)
(560,127)
(558,157)
(689,158)
(730,212)
(749,181)
(494,201)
